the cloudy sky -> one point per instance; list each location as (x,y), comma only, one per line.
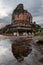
(35,7)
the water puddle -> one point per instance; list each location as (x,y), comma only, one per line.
(7,58)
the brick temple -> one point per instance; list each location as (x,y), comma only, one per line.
(22,20)
(21,23)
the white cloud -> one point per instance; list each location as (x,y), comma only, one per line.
(38,20)
(3,9)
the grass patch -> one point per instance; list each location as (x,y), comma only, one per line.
(37,34)
(40,42)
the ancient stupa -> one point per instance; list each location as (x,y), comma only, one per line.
(22,20)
